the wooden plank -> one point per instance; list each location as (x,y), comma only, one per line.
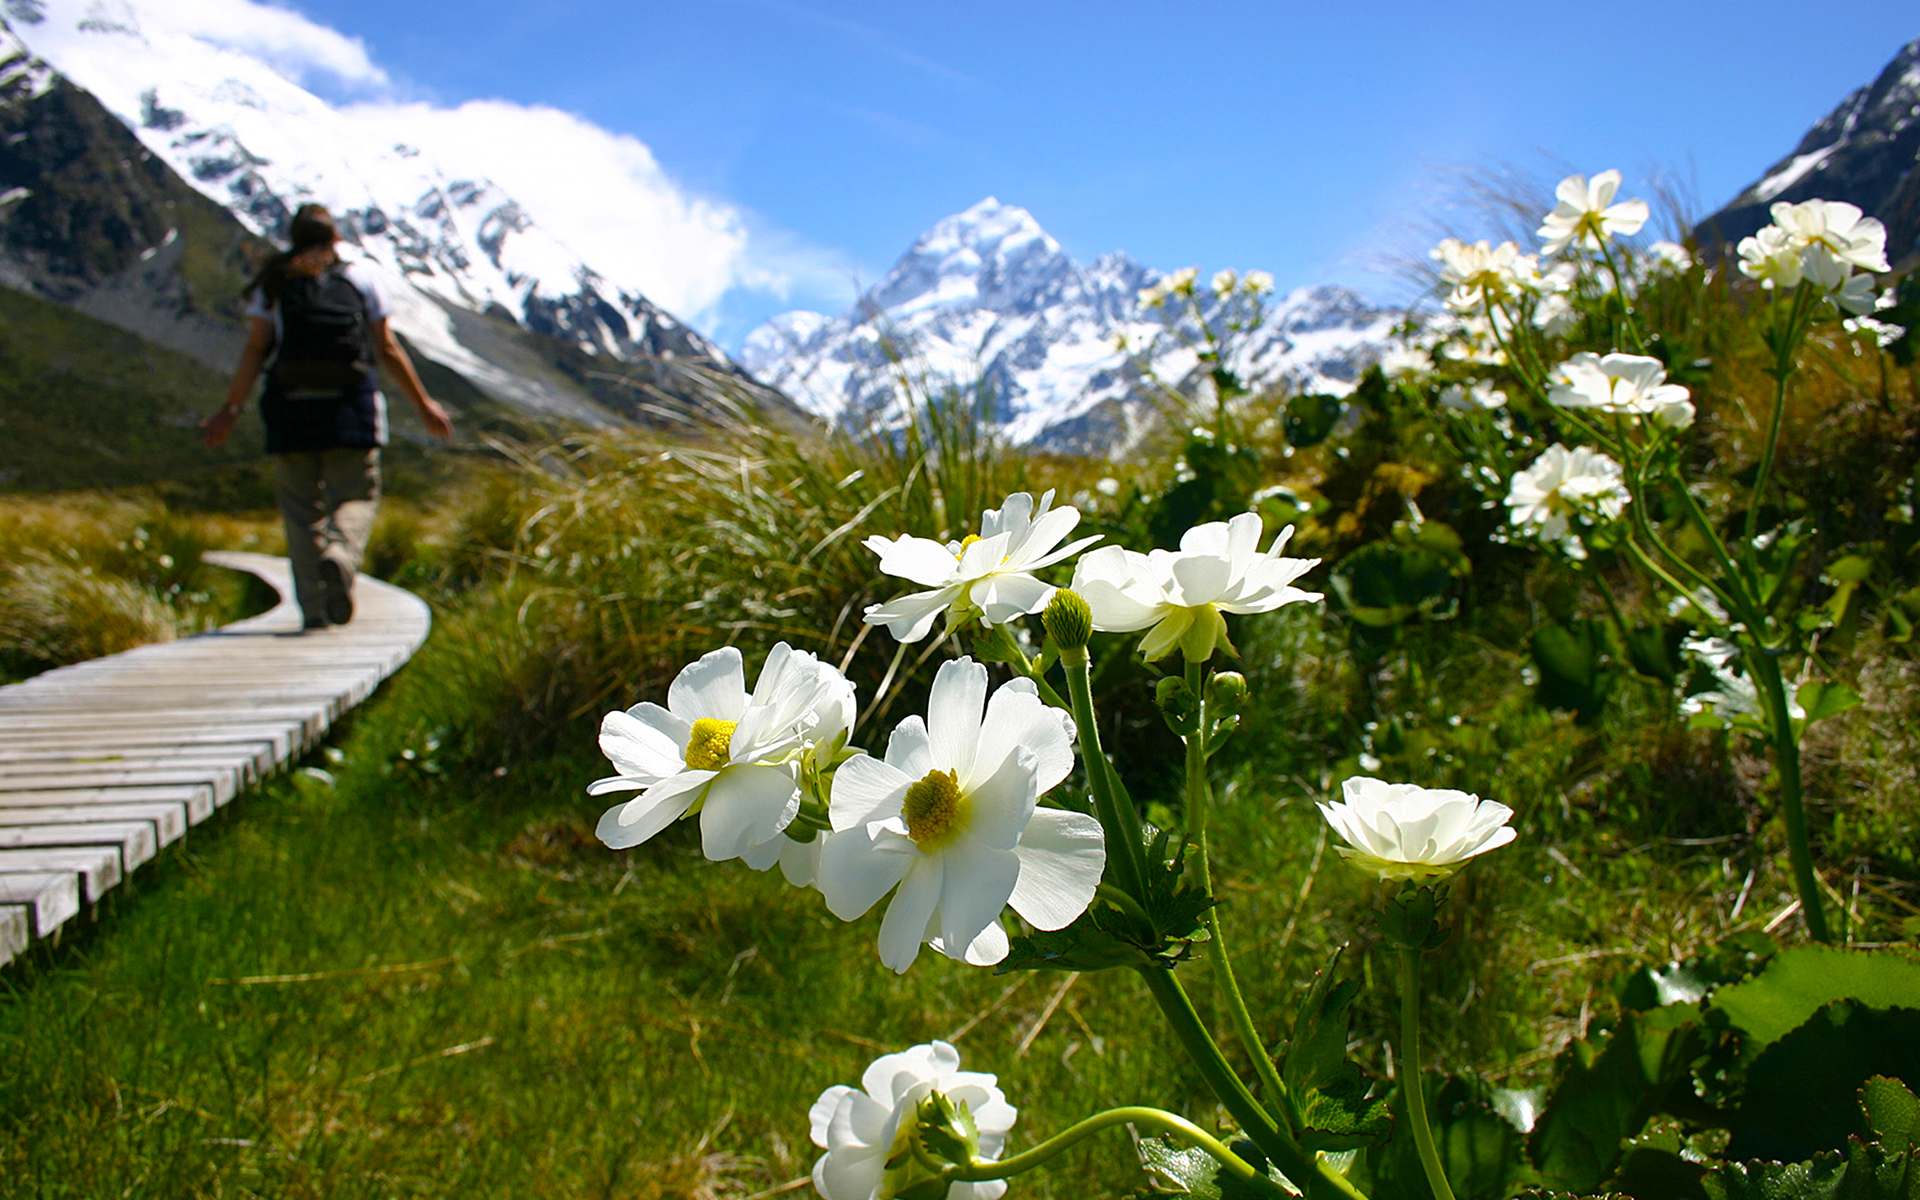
(258,757)
(224,782)
(196,800)
(50,899)
(169,821)
(134,841)
(278,740)
(104,763)
(89,762)
(98,867)
(16,931)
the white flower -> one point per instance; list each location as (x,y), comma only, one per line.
(1771,257)
(1628,384)
(1478,398)
(1669,257)
(1400,831)
(1586,214)
(1154,295)
(950,816)
(989,575)
(1218,569)
(1257,282)
(1401,362)
(716,750)
(1562,484)
(1854,239)
(1223,282)
(1716,652)
(863,1128)
(1555,315)
(1479,273)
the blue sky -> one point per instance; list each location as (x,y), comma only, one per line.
(1313,142)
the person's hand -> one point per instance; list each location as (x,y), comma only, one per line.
(438,423)
(219,427)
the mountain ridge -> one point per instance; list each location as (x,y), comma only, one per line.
(986,298)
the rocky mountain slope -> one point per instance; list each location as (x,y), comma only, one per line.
(121,154)
(1866,152)
(986,298)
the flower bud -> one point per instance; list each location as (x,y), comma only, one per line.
(1226,693)
(1178,703)
(1068,620)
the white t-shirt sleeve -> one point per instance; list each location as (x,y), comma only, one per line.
(377,309)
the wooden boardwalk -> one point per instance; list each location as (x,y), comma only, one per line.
(105,763)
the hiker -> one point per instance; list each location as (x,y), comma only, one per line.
(325,324)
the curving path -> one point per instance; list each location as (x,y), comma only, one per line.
(104,763)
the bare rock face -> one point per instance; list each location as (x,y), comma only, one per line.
(1864,152)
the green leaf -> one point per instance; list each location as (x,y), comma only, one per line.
(1573,676)
(1481,1151)
(1310,420)
(1892,1112)
(1867,1171)
(1333,1105)
(1605,1093)
(1823,700)
(1386,583)
(1798,982)
(1802,1092)
(1179,1169)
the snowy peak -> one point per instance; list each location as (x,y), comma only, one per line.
(1864,152)
(991,256)
(986,298)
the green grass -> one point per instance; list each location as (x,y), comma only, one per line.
(417,973)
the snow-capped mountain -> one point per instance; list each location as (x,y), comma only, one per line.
(453,251)
(987,297)
(1866,152)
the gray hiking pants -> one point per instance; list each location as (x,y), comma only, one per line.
(327,499)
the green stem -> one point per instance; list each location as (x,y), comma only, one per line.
(1199,800)
(1152,1118)
(1310,1173)
(1786,761)
(1120,821)
(1410,1073)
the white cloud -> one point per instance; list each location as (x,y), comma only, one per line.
(601,193)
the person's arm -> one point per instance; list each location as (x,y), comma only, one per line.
(219,426)
(393,356)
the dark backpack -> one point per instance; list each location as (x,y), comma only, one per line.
(325,344)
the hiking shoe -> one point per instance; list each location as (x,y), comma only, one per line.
(338,590)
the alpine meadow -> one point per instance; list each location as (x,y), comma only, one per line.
(1054,729)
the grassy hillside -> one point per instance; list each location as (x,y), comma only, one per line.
(84,404)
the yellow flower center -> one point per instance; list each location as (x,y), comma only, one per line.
(710,744)
(966,541)
(935,810)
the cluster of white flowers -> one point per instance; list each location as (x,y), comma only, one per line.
(949,819)
(1179,283)
(1827,243)
(1561,485)
(1629,385)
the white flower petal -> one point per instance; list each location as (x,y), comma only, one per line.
(854,873)
(910,914)
(1062,857)
(713,687)
(953,713)
(651,811)
(978,879)
(745,806)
